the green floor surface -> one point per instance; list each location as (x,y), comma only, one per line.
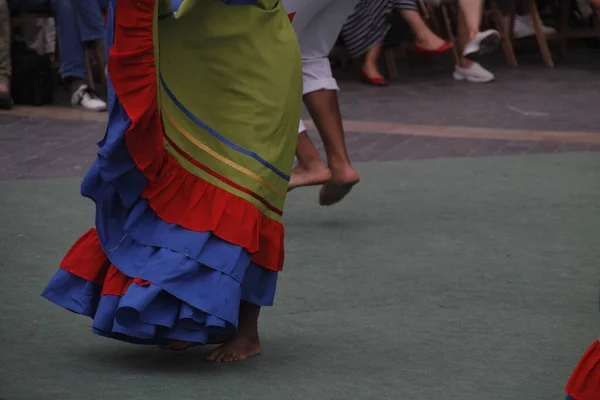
(452,279)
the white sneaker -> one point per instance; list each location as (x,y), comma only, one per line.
(521,29)
(524,27)
(546,30)
(485,42)
(585,9)
(87,99)
(474,74)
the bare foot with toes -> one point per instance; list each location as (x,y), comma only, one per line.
(305,176)
(239,348)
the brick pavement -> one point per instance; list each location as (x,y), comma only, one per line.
(423,114)
(47,148)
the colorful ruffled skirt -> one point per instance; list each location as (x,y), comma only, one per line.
(584,383)
(191,177)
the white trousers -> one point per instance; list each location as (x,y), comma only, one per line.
(318,24)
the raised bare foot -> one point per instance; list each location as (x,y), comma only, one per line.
(340,185)
(305,176)
(239,348)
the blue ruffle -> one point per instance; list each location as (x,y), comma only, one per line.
(143,315)
(198,279)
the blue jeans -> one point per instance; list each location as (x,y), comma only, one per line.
(77,22)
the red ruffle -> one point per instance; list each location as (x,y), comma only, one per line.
(87,260)
(176,195)
(584,383)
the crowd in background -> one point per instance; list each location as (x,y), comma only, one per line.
(75,25)
(28,45)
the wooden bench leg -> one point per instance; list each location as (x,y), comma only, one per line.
(565,11)
(456,50)
(539,34)
(509,52)
(389,57)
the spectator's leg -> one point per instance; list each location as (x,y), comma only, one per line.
(73,66)
(471,12)
(463,38)
(370,66)
(90,20)
(424,36)
(468,20)
(473,42)
(5,67)
(72,54)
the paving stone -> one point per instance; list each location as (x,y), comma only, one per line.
(38,148)
(530,97)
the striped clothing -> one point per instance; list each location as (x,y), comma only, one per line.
(370,22)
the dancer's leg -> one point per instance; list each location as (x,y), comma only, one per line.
(320,95)
(245,343)
(463,39)
(311,169)
(324,108)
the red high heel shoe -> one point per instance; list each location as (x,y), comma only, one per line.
(422,51)
(375,81)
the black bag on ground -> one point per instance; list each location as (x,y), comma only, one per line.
(32,82)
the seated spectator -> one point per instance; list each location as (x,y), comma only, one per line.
(473,42)
(523,26)
(80,24)
(368,25)
(39,34)
(5,63)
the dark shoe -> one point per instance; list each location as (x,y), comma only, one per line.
(6,102)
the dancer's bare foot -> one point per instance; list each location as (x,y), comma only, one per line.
(240,348)
(246,343)
(303,175)
(340,185)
